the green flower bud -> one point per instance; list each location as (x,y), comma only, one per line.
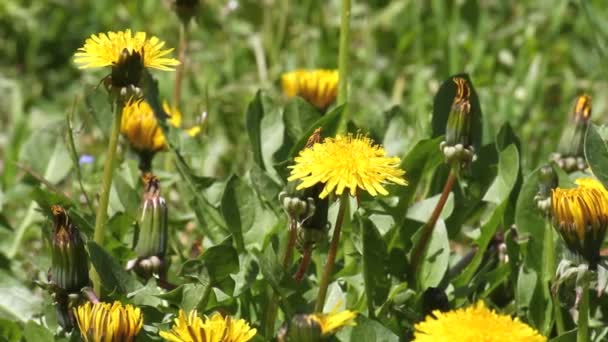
(547,181)
(186,9)
(69,260)
(303,328)
(153,232)
(457,146)
(571,150)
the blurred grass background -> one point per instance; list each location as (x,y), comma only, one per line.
(527,59)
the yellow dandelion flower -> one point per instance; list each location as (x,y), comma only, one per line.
(192,328)
(333,321)
(108,322)
(141,129)
(580,215)
(106,49)
(474,323)
(319,87)
(346,162)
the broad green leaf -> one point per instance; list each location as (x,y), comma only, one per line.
(596,153)
(487,232)
(112,274)
(254,115)
(508,169)
(436,260)
(375,264)
(217,262)
(238,209)
(299,116)
(18,303)
(10,331)
(423,157)
(526,286)
(35,332)
(421,211)
(329,126)
(367,330)
(568,336)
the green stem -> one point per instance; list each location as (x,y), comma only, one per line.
(427,230)
(343,58)
(559,318)
(273,305)
(106,185)
(582,333)
(331,254)
(179,70)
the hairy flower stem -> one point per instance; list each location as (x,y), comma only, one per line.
(331,254)
(106,184)
(343,57)
(273,305)
(306,255)
(582,333)
(427,230)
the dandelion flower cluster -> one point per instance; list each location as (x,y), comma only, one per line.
(108,322)
(319,87)
(346,162)
(474,323)
(192,328)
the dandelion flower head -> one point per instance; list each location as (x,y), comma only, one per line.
(346,162)
(474,323)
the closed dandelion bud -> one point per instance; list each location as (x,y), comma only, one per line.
(547,181)
(186,9)
(457,146)
(580,216)
(303,328)
(152,240)
(571,151)
(69,265)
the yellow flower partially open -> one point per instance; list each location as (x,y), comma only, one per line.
(319,87)
(192,328)
(333,321)
(106,49)
(346,162)
(580,215)
(474,323)
(140,127)
(108,322)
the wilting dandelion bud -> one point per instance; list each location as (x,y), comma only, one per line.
(457,146)
(69,260)
(580,216)
(571,152)
(151,243)
(547,181)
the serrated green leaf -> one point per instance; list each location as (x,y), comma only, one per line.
(112,274)
(596,153)
(375,264)
(238,209)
